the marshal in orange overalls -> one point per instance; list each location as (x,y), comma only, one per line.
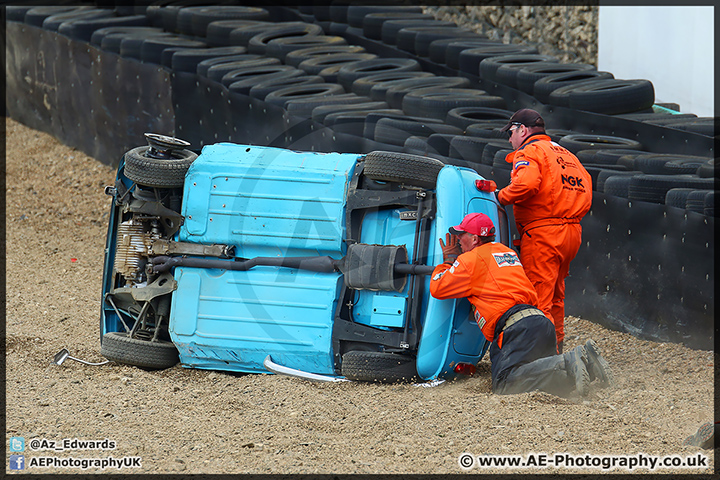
(551,192)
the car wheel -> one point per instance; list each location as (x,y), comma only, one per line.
(154,172)
(402,168)
(121,348)
(378,367)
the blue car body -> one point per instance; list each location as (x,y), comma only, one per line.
(272,202)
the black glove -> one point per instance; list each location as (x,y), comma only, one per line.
(452,249)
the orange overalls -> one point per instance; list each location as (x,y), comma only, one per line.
(551,192)
(491,277)
(523,353)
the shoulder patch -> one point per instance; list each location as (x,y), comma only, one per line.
(521,163)
(507,259)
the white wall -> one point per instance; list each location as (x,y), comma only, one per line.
(673,47)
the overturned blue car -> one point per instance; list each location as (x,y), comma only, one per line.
(245,257)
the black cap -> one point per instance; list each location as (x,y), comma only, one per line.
(525,116)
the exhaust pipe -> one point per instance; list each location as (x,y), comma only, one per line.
(365,267)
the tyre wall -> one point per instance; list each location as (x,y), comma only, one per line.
(644,267)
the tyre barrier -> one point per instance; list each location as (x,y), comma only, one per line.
(98,78)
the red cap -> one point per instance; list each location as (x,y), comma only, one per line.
(475,223)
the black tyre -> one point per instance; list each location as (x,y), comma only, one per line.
(395,94)
(490,155)
(152,48)
(16,13)
(110,38)
(372,22)
(280,47)
(218,71)
(378,367)
(351,122)
(629,161)
(242,36)
(195,20)
(586,156)
(204,65)
(168,16)
(319,113)
(349,73)
(709,209)
(489,68)
(391,29)
(467,148)
(546,86)
(296,57)
(613,96)
(54,22)
(84,29)
(265,87)
(595,170)
(396,131)
(707,169)
(245,78)
(130,45)
(218,32)
(498,160)
(695,201)
(527,76)
(488,129)
(703,126)
(161,173)
(304,107)
(463,117)
(258,43)
(653,188)
(688,164)
(578,142)
(611,156)
(437,102)
(469,60)
(425,37)
(618,185)
(187,60)
(402,168)
(668,164)
(316,65)
(372,119)
(37,15)
(507,74)
(119,347)
(415,145)
(451,54)
(364,85)
(438,48)
(557,133)
(677,197)
(282,96)
(356,13)
(606,174)
(440,142)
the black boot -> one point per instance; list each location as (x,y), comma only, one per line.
(597,366)
(560,347)
(575,361)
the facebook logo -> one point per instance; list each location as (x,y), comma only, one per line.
(17,462)
(17,444)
